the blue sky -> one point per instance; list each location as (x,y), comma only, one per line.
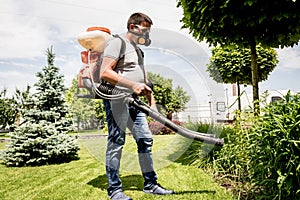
(28,28)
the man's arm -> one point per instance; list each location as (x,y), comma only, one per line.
(108,74)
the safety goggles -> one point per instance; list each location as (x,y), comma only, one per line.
(142,29)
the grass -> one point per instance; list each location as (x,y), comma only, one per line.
(85,178)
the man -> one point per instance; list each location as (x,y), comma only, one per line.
(127,72)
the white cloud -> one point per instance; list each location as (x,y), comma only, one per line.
(28,27)
(20,36)
(14,64)
(69,68)
(289,58)
(15,79)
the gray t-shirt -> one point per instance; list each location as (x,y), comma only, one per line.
(128,66)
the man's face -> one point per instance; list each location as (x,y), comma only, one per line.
(142,33)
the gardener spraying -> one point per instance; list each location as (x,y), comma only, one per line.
(128,72)
(122,80)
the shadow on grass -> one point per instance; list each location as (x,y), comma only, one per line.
(130,182)
(136,182)
(197,191)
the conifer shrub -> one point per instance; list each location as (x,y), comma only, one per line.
(42,136)
(39,144)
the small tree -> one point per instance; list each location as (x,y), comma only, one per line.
(42,138)
(85,112)
(50,102)
(171,100)
(8,110)
(232,64)
(100,111)
(21,97)
(273,23)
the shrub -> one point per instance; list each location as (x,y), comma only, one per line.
(158,128)
(275,151)
(229,163)
(39,144)
(260,156)
(212,160)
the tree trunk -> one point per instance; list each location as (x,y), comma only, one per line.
(254,70)
(239,95)
(169,115)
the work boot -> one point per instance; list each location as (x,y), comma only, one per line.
(157,189)
(119,195)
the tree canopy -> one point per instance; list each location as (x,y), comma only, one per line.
(170,100)
(272,23)
(10,107)
(232,64)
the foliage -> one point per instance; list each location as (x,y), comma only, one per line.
(48,100)
(22,96)
(158,128)
(229,163)
(100,111)
(41,138)
(170,100)
(8,110)
(84,112)
(274,24)
(260,156)
(10,107)
(39,144)
(275,150)
(231,64)
(194,155)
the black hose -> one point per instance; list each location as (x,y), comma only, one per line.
(206,138)
(110,90)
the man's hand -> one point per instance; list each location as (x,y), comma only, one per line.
(141,89)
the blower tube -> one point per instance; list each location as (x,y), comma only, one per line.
(206,138)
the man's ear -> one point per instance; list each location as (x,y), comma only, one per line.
(131,27)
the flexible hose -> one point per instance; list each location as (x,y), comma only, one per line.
(98,89)
(206,138)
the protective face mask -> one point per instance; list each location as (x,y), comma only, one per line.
(142,38)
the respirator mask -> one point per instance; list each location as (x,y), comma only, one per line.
(142,36)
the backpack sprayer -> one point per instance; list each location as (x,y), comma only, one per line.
(94,41)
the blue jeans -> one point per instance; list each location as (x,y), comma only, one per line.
(119,115)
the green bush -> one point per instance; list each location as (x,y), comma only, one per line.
(261,156)
(199,155)
(229,163)
(232,160)
(39,144)
(275,151)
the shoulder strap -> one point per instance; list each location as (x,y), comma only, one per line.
(123,46)
(139,52)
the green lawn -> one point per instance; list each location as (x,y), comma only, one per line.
(85,178)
